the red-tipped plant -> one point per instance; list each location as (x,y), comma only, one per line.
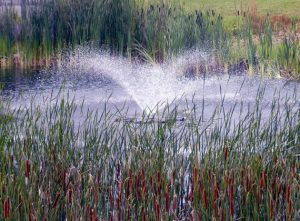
(174,204)
(271,207)
(27,171)
(167,202)
(6,209)
(56,200)
(93,215)
(143,215)
(204,198)
(157,211)
(226,152)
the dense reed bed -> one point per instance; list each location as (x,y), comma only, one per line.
(148,31)
(111,167)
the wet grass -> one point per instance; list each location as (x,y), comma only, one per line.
(112,168)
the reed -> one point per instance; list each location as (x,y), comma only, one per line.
(110,168)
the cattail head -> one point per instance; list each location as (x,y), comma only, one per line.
(216,189)
(204,198)
(174,204)
(93,215)
(167,201)
(27,169)
(6,208)
(157,211)
(56,200)
(290,207)
(292,172)
(288,193)
(70,194)
(262,180)
(271,207)
(226,150)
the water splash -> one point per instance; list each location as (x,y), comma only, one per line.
(147,84)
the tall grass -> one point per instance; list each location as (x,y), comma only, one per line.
(111,167)
(162,29)
(135,29)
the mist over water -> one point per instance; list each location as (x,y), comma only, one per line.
(98,77)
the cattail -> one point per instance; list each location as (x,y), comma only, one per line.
(290,207)
(271,207)
(27,171)
(6,209)
(87,213)
(98,178)
(29,213)
(157,211)
(204,198)
(158,177)
(226,153)
(93,215)
(287,192)
(117,203)
(167,201)
(143,184)
(216,189)
(191,193)
(262,181)
(195,174)
(143,215)
(274,182)
(174,204)
(70,195)
(292,172)
(56,200)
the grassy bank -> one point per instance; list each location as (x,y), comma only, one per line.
(158,31)
(110,168)
(229,9)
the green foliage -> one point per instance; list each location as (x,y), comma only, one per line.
(154,30)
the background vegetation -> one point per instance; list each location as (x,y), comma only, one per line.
(254,42)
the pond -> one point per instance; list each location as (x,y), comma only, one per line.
(98,78)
